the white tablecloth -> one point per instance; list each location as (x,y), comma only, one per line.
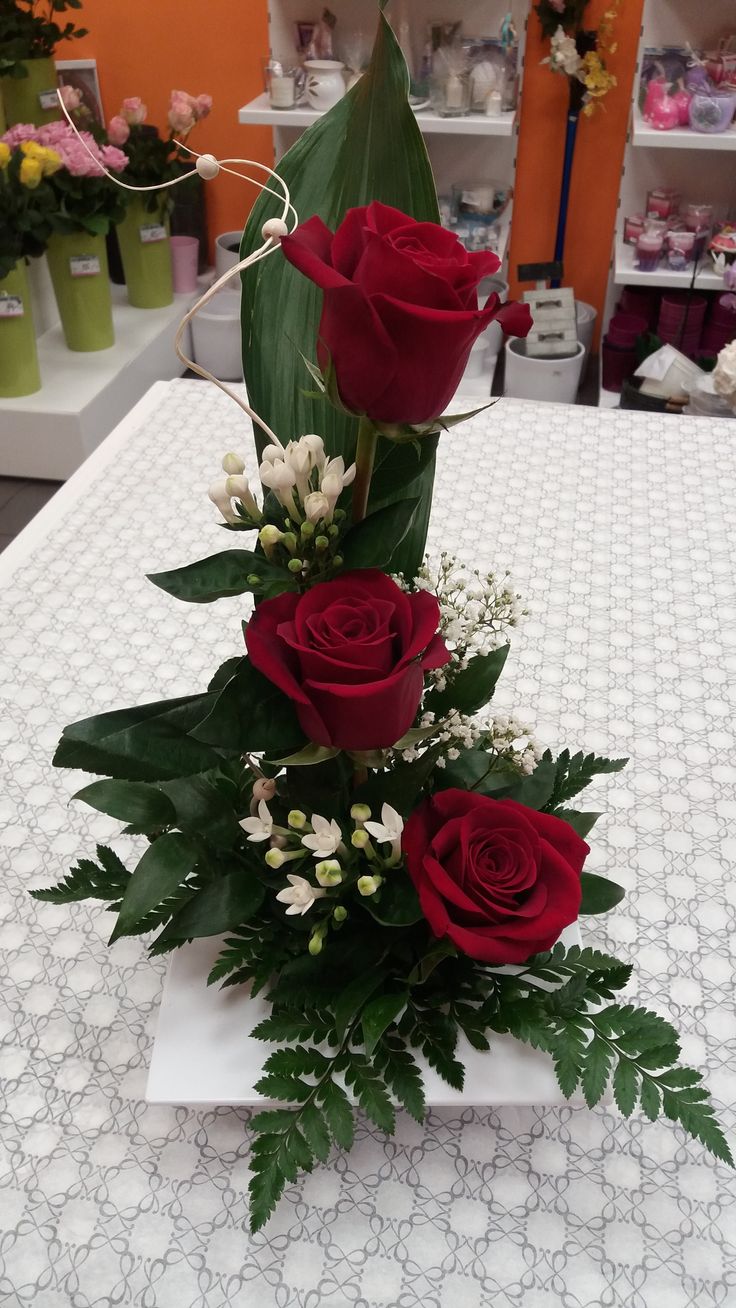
(619,529)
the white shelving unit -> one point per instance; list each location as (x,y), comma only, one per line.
(698,165)
(474,148)
(84,395)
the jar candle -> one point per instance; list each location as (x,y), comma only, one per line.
(698,217)
(680,249)
(662,203)
(649,251)
(450,94)
(657,226)
(282,92)
(633,228)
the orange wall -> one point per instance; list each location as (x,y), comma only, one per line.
(597,167)
(144,48)
(149,47)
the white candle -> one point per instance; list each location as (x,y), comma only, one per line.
(454,92)
(282,92)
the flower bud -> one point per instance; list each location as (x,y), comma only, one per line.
(264,788)
(321,544)
(275,858)
(307,530)
(297,819)
(368,885)
(340,914)
(317,506)
(288,540)
(233,465)
(329,873)
(360,839)
(315,944)
(295,565)
(269,536)
(222,501)
(360,813)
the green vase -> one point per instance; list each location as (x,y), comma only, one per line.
(146,255)
(78,267)
(19,373)
(31,99)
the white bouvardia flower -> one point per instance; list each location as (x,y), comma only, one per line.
(300,895)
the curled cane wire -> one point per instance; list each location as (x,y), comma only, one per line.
(209,169)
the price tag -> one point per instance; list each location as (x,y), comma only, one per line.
(152,232)
(11,306)
(48,100)
(84,265)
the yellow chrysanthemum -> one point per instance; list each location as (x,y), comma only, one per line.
(4,154)
(31,172)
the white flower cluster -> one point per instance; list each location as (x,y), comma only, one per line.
(563,54)
(724,375)
(306,482)
(504,735)
(477,611)
(323,839)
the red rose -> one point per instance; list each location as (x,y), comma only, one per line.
(400,309)
(500,880)
(351,654)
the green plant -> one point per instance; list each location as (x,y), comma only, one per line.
(29,30)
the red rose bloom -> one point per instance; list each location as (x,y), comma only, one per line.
(498,879)
(400,309)
(351,654)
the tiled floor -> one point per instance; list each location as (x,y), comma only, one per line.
(20,500)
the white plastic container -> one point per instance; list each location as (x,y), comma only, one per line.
(555,379)
(216,337)
(224,256)
(585,315)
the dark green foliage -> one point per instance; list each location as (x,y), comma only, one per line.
(233,572)
(107,879)
(574,772)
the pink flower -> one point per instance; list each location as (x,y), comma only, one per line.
(558,6)
(20,132)
(181,115)
(72,98)
(204,104)
(114,160)
(118,130)
(133,110)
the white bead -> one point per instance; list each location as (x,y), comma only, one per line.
(207,167)
(274,229)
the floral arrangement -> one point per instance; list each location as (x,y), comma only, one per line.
(578,53)
(391,862)
(29,30)
(85,199)
(724,375)
(153,159)
(27,201)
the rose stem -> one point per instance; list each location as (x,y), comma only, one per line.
(365,454)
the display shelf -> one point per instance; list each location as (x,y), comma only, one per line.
(683,138)
(84,395)
(626,274)
(259,111)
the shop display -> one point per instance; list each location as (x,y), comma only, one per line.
(27,203)
(688,89)
(394,870)
(29,34)
(143,233)
(675,235)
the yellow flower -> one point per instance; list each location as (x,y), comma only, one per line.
(31,148)
(49,160)
(4,154)
(31,172)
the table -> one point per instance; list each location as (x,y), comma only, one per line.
(619,528)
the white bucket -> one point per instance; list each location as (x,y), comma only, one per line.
(493,335)
(555,379)
(586,315)
(216,337)
(224,257)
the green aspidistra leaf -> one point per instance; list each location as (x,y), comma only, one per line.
(368,147)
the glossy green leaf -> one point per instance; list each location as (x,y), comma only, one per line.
(222,906)
(251,714)
(583,823)
(397,905)
(135,802)
(471,689)
(160,872)
(378,1016)
(232,572)
(599,894)
(374,542)
(368,147)
(151,742)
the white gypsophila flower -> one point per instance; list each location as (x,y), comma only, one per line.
(724,375)
(326,838)
(299,895)
(260,827)
(217,493)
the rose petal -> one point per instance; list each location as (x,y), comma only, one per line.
(309,249)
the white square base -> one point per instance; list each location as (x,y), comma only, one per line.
(204,1053)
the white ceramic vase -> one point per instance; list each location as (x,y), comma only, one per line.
(555,379)
(325,83)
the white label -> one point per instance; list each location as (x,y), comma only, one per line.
(84,265)
(48,100)
(11,306)
(152,232)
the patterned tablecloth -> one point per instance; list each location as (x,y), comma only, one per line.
(619,528)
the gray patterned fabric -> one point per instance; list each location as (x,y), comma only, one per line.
(619,529)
